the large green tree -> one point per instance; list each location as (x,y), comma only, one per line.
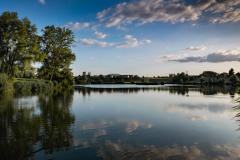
(19,45)
(56,45)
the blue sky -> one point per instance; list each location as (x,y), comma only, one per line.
(144,37)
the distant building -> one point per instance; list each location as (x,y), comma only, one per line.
(84,74)
(113,75)
(120,76)
(89,74)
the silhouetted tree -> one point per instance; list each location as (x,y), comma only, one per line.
(231,72)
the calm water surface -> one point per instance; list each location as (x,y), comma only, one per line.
(124,122)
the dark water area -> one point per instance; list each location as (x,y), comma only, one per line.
(122,122)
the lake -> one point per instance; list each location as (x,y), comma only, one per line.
(122,122)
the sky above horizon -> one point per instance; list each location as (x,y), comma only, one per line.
(144,37)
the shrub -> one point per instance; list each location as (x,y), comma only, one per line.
(5,83)
(29,86)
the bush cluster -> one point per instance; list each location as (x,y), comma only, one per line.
(5,83)
(28,86)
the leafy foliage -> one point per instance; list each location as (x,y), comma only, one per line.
(19,45)
(56,46)
(28,86)
(5,83)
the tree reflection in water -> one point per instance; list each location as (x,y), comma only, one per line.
(25,130)
(39,124)
(237,109)
(19,129)
(179,90)
(56,122)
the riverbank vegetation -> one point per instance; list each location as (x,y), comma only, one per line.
(206,78)
(22,48)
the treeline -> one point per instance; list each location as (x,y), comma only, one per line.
(107,79)
(206,78)
(21,48)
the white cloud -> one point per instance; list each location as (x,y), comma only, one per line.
(173,11)
(147,41)
(198,117)
(132,42)
(77,25)
(129,42)
(42,1)
(196,48)
(100,35)
(94,42)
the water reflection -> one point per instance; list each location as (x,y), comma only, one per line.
(41,124)
(237,110)
(180,90)
(157,123)
(112,140)
(19,129)
(175,128)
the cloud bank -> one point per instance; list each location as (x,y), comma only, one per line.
(224,56)
(129,42)
(173,11)
(94,42)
